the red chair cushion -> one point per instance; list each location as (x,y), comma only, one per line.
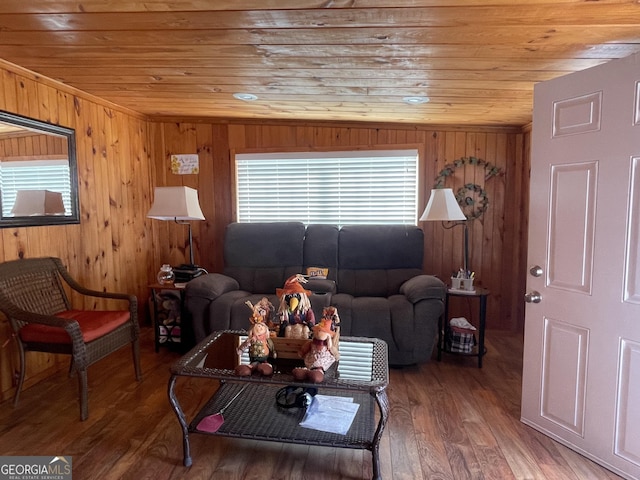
(93,324)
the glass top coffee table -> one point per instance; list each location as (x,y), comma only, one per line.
(361,374)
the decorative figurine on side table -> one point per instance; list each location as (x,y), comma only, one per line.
(258,342)
(295,313)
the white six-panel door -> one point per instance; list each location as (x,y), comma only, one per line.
(581,376)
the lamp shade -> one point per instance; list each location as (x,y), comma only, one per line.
(37,202)
(442,206)
(175,203)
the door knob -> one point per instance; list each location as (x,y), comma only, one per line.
(536,271)
(533,297)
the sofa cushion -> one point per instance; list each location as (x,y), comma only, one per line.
(390,319)
(410,330)
(375,260)
(321,248)
(380,247)
(263,244)
(261,256)
(93,324)
(262,279)
(374,283)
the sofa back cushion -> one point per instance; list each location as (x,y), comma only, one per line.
(375,260)
(321,249)
(261,256)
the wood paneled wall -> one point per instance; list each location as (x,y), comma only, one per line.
(497,239)
(111,248)
(31,146)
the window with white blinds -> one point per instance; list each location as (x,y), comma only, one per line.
(341,188)
(50,175)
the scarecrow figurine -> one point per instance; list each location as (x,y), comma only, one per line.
(263,311)
(317,354)
(258,343)
(294,311)
(330,316)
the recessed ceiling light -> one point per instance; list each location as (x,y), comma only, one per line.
(247,97)
(415,100)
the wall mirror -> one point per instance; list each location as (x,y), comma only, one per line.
(38,173)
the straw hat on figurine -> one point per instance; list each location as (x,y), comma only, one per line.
(293,285)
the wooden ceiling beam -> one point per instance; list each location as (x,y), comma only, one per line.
(488,16)
(129,6)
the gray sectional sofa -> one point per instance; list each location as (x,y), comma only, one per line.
(375,280)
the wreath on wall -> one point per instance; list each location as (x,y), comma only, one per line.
(471,197)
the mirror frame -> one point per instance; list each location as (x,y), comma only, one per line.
(70,135)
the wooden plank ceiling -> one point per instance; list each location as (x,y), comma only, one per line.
(351,60)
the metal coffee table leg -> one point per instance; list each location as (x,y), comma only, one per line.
(183,421)
(383,403)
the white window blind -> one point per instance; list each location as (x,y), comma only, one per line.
(360,187)
(50,175)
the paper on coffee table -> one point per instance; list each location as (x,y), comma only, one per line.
(331,414)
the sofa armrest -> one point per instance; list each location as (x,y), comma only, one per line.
(210,286)
(423,287)
(320,285)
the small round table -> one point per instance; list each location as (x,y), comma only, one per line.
(481,294)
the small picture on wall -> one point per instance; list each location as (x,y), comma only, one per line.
(185,164)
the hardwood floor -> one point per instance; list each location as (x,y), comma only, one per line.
(449,420)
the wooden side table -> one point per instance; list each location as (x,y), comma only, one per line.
(481,295)
(168,304)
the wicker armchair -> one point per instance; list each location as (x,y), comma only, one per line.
(34,299)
